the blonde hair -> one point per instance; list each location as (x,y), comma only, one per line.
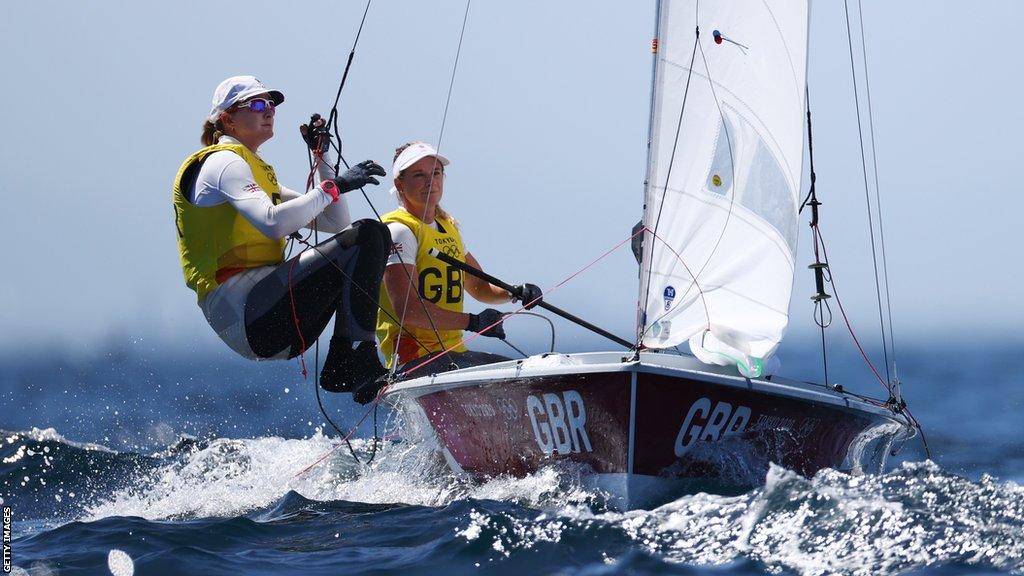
(440,211)
(212,131)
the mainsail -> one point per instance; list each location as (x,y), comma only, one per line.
(723,178)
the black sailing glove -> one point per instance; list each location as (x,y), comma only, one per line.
(478,322)
(316,134)
(359,175)
(529,294)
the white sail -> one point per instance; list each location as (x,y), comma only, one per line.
(724,178)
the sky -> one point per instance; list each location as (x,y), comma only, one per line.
(546,130)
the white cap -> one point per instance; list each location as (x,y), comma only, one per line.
(237,89)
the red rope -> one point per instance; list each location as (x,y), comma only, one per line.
(521,308)
(317,159)
(295,318)
(338,444)
(846,319)
(910,415)
(383,389)
(703,299)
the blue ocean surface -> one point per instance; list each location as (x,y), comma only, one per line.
(141,461)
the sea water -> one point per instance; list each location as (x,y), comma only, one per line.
(138,462)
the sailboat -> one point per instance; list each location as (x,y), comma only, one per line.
(717,262)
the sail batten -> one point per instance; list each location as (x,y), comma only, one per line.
(724,172)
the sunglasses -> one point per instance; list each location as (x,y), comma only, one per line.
(257,104)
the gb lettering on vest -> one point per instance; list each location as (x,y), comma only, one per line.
(442,281)
(705,422)
(559,422)
(435,285)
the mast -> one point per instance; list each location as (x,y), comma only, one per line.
(641,319)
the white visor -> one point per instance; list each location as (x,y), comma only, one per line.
(412,154)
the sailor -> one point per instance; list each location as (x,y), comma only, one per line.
(422,292)
(232,219)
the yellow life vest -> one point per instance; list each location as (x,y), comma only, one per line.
(439,283)
(216,242)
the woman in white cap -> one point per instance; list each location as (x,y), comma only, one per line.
(232,219)
(420,290)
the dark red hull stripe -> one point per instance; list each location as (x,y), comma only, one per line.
(684,428)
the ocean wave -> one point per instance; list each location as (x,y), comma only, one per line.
(52,479)
(913,517)
(232,477)
(916,516)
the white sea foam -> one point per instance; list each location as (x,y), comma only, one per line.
(915,516)
(226,477)
(832,524)
(51,435)
(230,477)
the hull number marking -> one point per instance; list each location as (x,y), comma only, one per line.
(707,423)
(559,422)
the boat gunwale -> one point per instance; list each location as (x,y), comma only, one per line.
(514,370)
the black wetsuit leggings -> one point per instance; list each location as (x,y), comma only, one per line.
(340,277)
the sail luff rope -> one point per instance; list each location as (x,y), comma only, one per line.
(878,199)
(867,195)
(668,174)
(641,299)
(430,184)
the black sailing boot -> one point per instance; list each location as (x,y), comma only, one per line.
(347,368)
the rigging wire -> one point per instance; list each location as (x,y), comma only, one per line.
(516,348)
(732,197)
(336,143)
(878,199)
(377,400)
(520,309)
(821,305)
(867,195)
(332,118)
(332,123)
(430,184)
(315,159)
(894,404)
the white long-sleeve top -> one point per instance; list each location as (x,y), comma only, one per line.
(226,177)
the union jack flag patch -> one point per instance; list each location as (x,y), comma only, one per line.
(397,248)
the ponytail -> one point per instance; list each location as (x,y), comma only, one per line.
(212,131)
